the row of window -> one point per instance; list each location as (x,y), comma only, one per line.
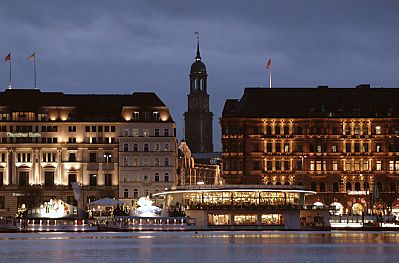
(23,178)
(147,178)
(350,147)
(146,192)
(314,165)
(357,186)
(347,129)
(143,116)
(145,147)
(145,161)
(99,128)
(136,132)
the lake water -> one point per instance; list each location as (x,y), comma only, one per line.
(263,246)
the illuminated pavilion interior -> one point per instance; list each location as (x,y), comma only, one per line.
(241,206)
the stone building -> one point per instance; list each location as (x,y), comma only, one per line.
(102,142)
(342,143)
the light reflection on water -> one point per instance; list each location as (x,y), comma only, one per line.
(265,246)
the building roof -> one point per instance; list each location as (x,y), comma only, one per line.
(36,98)
(322,102)
(83,105)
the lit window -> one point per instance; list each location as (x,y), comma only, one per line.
(365,166)
(318,165)
(136,116)
(334,148)
(286,147)
(391,165)
(378,130)
(348,166)
(335,166)
(378,166)
(155,115)
(357,166)
(312,165)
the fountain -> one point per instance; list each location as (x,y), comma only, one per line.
(147,209)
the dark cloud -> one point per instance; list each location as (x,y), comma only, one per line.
(125,46)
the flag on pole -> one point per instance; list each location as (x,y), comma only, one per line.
(8,57)
(31,57)
(76,190)
(269,63)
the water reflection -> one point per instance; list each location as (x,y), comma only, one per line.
(270,246)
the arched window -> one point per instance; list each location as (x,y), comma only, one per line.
(125,147)
(366,186)
(268,130)
(335,187)
(392,187)
(348,186)
(125,193)
(278,183)
(299,130)
(322,187)
(135,147)
(287,183)
(269,183)
(136,193)
(286,130)
(146,148)
(277,130)
(357,186)
(313,187)
(356,130)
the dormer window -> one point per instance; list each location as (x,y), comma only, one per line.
(155,115)
(136,115)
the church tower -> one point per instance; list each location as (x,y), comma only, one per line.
(198,118)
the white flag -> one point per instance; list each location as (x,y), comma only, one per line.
(76,190)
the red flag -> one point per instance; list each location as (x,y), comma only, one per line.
(269,63)
(31,57)
(8,57)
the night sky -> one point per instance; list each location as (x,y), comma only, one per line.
(127,46)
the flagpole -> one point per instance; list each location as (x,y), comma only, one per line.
(34,69)
(10,82)
(270,77)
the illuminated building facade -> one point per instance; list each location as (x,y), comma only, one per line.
(191,172)
(101,142)
(342,143)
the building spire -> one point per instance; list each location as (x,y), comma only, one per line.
(198,57)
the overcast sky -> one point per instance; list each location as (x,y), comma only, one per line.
(126,46)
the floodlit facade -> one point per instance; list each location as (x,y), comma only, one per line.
(342,143)
(111,145)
